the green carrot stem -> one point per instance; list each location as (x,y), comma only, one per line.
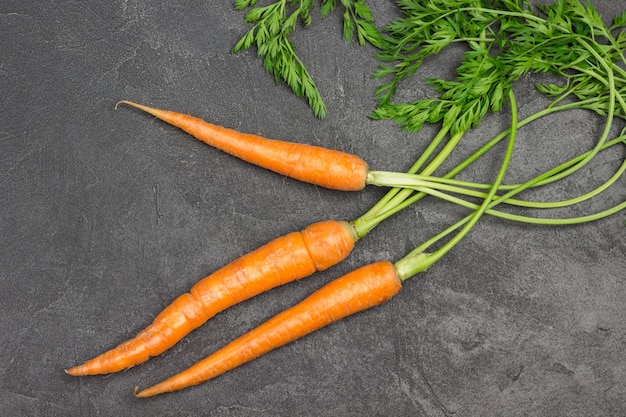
(430,168)
(384,209)
(383,203)
(428,185)
(536,180)
(451,181)
(417,261)
(578,165)
(516,217)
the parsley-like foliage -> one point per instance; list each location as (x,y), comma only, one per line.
(272,25)
(505,40)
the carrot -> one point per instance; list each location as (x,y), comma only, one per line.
(358,290)
(324,167)
(362,288)
(285,259)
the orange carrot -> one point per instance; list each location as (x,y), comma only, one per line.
(285,259)
(324,167)
(362,288)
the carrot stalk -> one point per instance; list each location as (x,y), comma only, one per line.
(358,290)
(285,259)
(313,164)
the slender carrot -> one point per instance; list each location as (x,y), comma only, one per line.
(324,167)
(285,259)
(358,290)
(363,288)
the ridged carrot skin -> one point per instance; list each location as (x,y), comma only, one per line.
(313,164)
(285,259)
(358,290)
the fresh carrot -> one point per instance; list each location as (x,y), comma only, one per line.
(358,290)
(313,164)
(285,259)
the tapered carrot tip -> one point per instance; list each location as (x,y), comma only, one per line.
(91,367)
(76,371)
(133,104)
(327,168)
(148,392)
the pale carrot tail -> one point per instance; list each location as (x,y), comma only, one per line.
(285,259)
(363,288)
(313,164)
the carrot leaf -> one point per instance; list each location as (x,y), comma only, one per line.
(504,42)
(272,25)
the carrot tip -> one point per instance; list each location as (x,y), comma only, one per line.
(121,102)
(143,393)
(72,371)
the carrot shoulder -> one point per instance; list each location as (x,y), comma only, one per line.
(285,259)
(358,290)
(321,166)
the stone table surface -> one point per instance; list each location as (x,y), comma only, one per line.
(106,216)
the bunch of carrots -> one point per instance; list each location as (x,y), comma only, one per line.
(288,258)
(324,244)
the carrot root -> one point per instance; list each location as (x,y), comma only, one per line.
(285,259)
(358,290)
(313,164)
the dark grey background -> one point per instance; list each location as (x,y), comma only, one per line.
(106,216)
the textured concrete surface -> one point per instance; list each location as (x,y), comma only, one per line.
(106,216)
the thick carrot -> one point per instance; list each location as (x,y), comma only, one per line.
(324,167)
(358,290)
(285,259)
